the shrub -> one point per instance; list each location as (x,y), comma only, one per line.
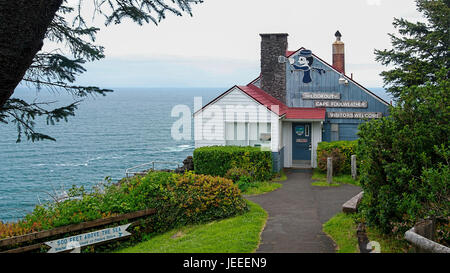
(338,160)
(346,150)
(235,173)
(206,198)
(16,229)
(179,199)
(244,183)
(217,160)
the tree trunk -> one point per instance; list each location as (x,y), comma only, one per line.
(23,24)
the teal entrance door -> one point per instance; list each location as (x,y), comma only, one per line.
(301,141)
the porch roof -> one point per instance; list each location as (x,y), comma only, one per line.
(305,113)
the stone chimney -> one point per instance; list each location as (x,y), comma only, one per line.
(273,73)
(338,53)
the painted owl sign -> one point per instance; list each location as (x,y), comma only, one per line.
(303,62)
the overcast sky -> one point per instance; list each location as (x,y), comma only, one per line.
(220,45)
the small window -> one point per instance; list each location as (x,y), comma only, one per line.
(307,130)
(334,132)
(334,127)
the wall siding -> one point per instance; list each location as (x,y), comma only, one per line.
(347,131)
(327,82)
(316,138)
(287,142)
(214,115)
(278,160)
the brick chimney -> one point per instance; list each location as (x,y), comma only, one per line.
(273,73)
(338,53)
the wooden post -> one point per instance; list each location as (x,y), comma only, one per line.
(330,170)
(425,228)
(421,236)
(353,163)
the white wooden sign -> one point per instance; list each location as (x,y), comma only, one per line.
(320,96)
(354,115)
(90,238)
(341,104)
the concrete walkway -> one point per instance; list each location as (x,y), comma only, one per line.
(296,214)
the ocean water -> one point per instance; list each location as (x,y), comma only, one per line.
(108,134)
(126,128)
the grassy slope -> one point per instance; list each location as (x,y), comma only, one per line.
(342,229)
(239,234)
(388,243)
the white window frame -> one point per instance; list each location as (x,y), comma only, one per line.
(247,133)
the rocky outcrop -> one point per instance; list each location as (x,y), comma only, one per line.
(188,165)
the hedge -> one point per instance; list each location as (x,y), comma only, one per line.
(179,199)
(217,160)
(346,148)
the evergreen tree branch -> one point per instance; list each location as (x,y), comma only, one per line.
(421,49)
(58,70)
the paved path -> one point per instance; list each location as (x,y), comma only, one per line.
(296,214)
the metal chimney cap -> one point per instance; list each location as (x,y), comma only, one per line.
(273,34)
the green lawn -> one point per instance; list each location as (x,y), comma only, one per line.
(261,187)
(342,229)
(337,179)
(325,184)
(281,176)
(266,186)
(239,234)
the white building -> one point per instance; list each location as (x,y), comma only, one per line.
(298,101)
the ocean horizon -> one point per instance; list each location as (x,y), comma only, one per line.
(109,134)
